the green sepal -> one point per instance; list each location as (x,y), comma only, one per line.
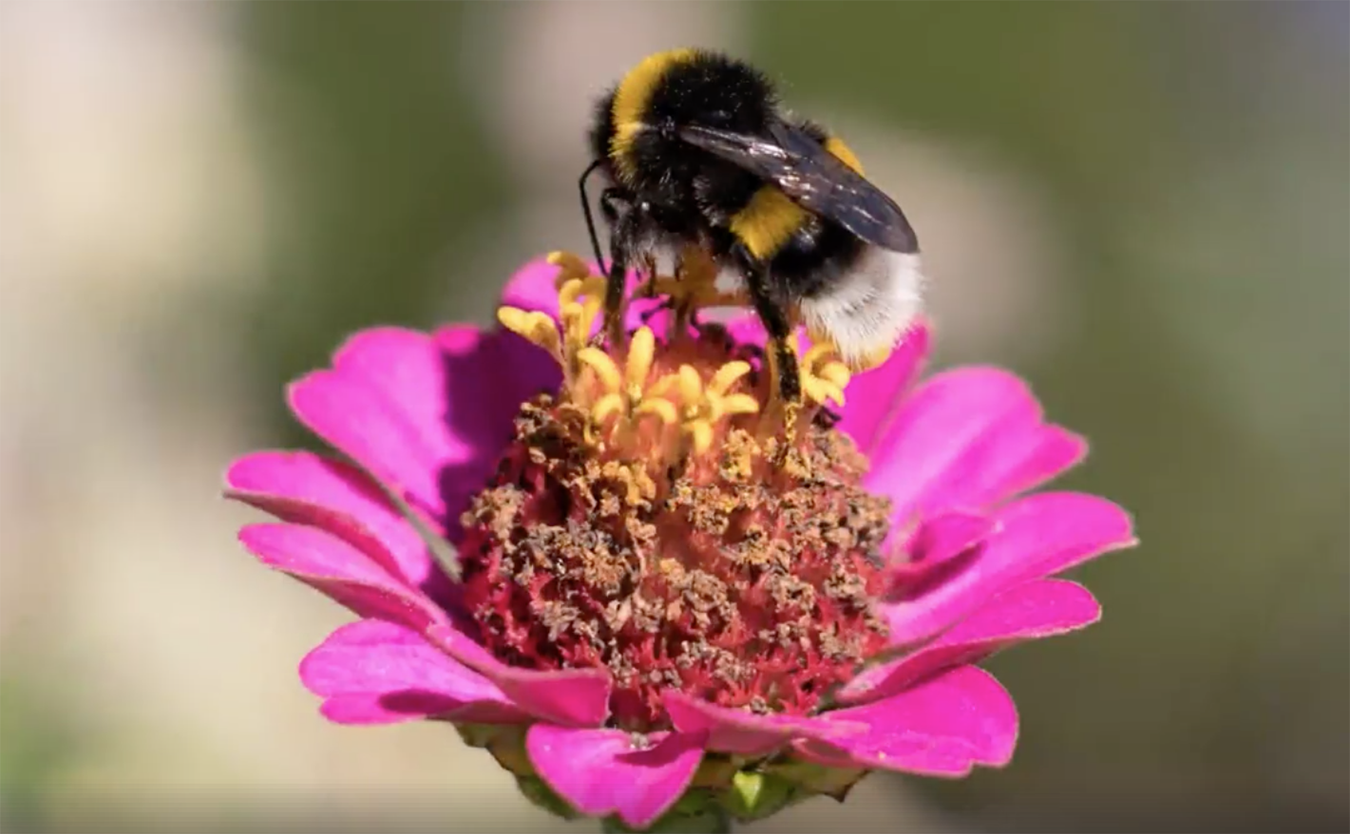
(755,795)
(542,796)
(715,771)
(478,735)
(834,782)
(697,812)
(506,743)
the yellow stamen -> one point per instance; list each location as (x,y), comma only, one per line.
(703,407)
(664,410)
(641,352)
(578,318)
(819,390)
(739,404)
(727,376)
(606,407)
(570,266)
(534,326)
(663,386)
(818,351)
(691,386)
(606,371)
(617,389)
(836,372)
(591,286)
(700,435)
(823,376)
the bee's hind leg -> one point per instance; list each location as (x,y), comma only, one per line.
(787,384)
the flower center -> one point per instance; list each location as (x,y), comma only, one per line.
(661,519)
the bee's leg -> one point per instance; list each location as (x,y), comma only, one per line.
(621,245)
(787,381)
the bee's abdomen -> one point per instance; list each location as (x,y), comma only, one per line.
(814,258)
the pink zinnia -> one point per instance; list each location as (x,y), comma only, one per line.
(672,598)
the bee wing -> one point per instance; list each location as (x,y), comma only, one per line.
(813,178)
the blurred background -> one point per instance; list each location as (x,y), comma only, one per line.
(1141,207)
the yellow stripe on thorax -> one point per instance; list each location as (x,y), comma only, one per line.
(770,219)
(631,99)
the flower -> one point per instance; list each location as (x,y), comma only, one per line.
(673,598)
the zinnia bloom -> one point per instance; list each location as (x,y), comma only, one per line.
(674,600)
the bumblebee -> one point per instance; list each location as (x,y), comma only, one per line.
(698,156)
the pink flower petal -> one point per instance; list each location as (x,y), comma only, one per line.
(1054,451)
(966,439)
(569,697)
(1030,611)
(935,543)
(902,752)
(427,416)
(305,488)
(393,427)
(376,672)
(1036,536)
(874,397)
(533,287)
(574,697)
(482,403)
(336,568)
(746,329)
(746,733)
(939,727)
(600,773)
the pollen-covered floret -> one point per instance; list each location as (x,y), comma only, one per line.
(653,519)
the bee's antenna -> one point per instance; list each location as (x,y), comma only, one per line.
(590,221)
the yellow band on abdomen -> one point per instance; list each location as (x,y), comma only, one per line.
(836,148)
(767,222)
(770,219)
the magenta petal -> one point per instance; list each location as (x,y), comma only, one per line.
(1036,536)
(936,542)
(746,329)
(745,733)
(940,726)
(383,404)
(426,415)
(533,287)
(571,697)
(578,697)
(946,431)
(482,403)
(874,397)
(600,773)
(336,568)
(908,753)
(1030,611)
(968,438)
(305,488)
(1054,451)
(376,672)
